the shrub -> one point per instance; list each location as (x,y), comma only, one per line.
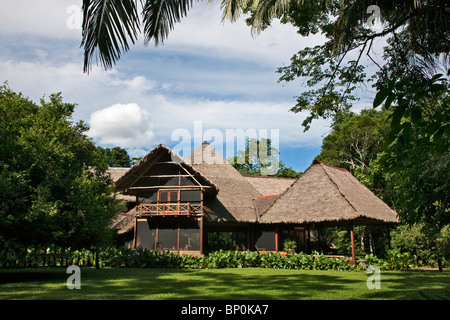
(290,246)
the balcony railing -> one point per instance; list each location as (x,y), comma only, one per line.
(169,209)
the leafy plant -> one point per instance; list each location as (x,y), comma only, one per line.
(290,246)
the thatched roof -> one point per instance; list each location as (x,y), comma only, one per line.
(234,201)
(161,155)
(268,186)
(116,174)
(123,222)
(322,195)
(326,194)
(263,203)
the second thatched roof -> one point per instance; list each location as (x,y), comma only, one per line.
(328,195)
(234,201)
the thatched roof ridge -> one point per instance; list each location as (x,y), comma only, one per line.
(327,194)
(268,185)
(142,165)
(234,201)
(264,202)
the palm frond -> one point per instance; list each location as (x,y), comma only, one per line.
(108,25)
(232,9)
(160,16)
(265,11)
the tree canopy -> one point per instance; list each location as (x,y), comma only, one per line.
(260,158)
(53,186)
(116,157)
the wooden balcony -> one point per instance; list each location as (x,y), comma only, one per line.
(186,209)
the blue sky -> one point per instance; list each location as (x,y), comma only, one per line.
(207,71)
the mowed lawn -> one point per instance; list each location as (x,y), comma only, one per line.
(229,284)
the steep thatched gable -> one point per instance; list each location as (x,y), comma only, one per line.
(159,156)
(326,194)
(234,201)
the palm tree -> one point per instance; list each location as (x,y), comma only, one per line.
(109,26)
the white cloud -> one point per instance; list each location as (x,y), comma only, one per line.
(206,71)
(48,18)
(122,125)
(222,115)
(202,32)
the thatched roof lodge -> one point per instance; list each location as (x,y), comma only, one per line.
(202,203)
(328,195)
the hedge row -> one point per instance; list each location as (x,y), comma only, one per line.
(143,258)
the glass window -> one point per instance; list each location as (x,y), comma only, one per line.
(265,240)
(190,196)
(145,235)
(167,239)
(173,196)
(163,196)
(226,238)
(168,196)
(190,238)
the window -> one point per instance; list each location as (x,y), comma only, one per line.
(166,196)
(191,196)
(145,236)
(226,238)
(265,239)
(168,239)
(190,237)
(168,236)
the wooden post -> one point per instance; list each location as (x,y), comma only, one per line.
(201,234)
(135,232)
(178,240)
(352,237)
(276,238)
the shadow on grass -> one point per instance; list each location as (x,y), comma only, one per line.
(413,285)
(29,275)
(137,284)
(220,284)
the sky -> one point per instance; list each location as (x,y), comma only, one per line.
(208,79)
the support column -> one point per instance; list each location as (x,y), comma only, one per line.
(201,234)
(352,237)
(135,233)
(276,238)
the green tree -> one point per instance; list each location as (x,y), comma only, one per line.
(334,70)
(417,156)
(116,157)
(355,142)
(53,186)
(260,158)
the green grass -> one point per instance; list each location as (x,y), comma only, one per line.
(248,284)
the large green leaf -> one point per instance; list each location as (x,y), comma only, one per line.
(108,25)
(160,16)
